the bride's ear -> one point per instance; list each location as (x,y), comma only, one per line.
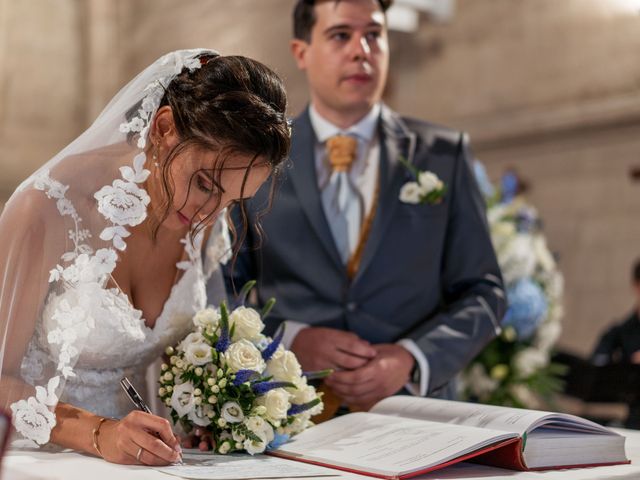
(163,128)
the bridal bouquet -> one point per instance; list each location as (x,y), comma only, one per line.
(516,369)
(239,385)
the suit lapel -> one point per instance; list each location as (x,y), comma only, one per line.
(396,140)
(303,176)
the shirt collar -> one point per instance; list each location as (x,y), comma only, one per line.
(365,129)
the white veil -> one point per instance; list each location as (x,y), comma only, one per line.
(61,234)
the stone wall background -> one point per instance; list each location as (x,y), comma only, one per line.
(550,88)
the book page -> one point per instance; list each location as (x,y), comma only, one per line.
(387,445)
(507,419)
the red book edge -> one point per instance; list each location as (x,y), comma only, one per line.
(510,456)
(496,446)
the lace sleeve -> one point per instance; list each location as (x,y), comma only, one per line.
(27,249)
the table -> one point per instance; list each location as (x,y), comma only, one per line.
(40,465)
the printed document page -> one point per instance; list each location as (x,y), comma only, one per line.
(201,465)
(387,445)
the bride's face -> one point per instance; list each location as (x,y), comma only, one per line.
(200,192)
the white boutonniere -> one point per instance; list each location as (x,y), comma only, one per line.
(426,188)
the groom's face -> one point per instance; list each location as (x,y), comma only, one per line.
(347,56)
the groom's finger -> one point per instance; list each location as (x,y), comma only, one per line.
(346,360)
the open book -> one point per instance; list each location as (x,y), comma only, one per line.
(404,436)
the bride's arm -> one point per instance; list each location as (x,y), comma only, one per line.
(31,246)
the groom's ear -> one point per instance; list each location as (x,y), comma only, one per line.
(299,50)
(164,127)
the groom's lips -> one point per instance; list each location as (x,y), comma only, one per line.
(183,219)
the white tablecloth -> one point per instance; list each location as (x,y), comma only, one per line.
(39,465)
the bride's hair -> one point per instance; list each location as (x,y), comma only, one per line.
(231,104)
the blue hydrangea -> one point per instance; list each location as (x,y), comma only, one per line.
(527,308)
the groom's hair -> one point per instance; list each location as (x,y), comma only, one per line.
(635,274)
(304,16)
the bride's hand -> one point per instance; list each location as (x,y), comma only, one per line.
(132,440)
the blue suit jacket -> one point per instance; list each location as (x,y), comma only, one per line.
(428,272)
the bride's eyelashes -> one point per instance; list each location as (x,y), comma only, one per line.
(204,184)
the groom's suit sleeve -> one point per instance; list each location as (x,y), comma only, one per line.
(472,290)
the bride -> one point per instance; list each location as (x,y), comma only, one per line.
(101,267)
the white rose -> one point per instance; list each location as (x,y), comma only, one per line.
(208,317)
(195,337)
(300,423)
(198,353)
(429,182)
(252,446)
(262,429)
(246,322)
(410,193)
(284,366)
(530,360)
(183,399)
(305,394)
(243,355)
(276,402)
(232,412)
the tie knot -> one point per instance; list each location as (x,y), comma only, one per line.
(341,150)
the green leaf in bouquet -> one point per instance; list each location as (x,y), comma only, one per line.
(244,292)
(266,310)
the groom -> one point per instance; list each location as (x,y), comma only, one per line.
(394,296)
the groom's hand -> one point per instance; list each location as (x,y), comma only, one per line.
(381,377)
(318,348)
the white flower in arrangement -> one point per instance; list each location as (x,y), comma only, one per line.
(529,360)
(198,353)
(517,259)
(232,412)
(243,355)
(284,366)
(246,323)
(192,338)
(209,317)
(183,399)
(199,415)
(277,404)
(304,393)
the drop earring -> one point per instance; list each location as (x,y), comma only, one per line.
(155,158)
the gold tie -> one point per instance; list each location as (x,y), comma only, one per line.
(341,151)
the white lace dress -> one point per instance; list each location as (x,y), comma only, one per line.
(120,344)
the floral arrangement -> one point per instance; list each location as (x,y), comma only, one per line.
(515,369)
(235,383)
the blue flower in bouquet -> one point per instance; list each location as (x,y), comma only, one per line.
(527,308)
(527,220)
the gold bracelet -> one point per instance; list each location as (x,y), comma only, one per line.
(96,433)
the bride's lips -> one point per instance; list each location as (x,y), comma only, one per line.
(183,219)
